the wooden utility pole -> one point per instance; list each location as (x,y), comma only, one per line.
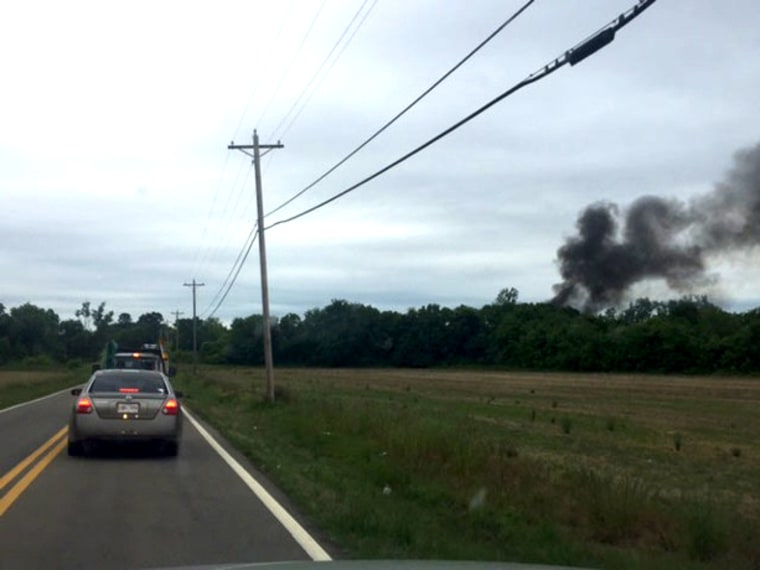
(176,328)
(194,285)
(256,155)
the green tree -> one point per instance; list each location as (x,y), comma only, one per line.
(100,318)
(5,343)
(246,341)
(77,341)
(34,332)
(507,296)
(84,314)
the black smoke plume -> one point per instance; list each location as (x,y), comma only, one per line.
(659,238)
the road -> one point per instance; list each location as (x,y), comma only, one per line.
(128,508)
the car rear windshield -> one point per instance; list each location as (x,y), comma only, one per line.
(129,383)
(142,363)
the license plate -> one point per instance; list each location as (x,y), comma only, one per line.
(128,408)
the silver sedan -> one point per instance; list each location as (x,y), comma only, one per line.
(125,406)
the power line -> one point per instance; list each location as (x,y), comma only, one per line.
(226,225)
(247,246)
(210,212)
(319,69)
(237,272)
(287,70)
(274,45)
(573,56)
(329,69)
(243,252)
(407,108)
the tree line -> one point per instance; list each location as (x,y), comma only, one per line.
(688,335)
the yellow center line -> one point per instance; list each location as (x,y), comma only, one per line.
(15,492)
(13,473)
(19,488)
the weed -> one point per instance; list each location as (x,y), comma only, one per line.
(677,441)
(736,451)
(21,386)
(554,404)
(284,394)
(460,488)
(620,509)
(708,534)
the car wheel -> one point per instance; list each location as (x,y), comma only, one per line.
(171,448)
(75,448)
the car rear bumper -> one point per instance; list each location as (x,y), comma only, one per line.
(92,427)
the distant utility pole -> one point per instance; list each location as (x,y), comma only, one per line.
(176,328)
(194,285)
(256,155)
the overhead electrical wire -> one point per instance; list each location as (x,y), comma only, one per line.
(293,59)
(419,98)
(247,246)
(573,56)
(199,262)
(319,70)
(329,69)
(275,43)
(198,251)
(236,267)
(226,222)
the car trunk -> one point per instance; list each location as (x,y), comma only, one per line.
(128,406)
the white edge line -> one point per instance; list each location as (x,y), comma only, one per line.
(22,404)
(303,538)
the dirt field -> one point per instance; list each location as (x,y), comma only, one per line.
(28,376)
(677,434)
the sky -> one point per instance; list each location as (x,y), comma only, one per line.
(116,184)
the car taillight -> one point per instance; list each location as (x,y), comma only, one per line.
(84,406)
(171,407)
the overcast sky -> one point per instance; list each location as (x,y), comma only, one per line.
(116,184)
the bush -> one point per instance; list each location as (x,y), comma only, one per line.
(40,362)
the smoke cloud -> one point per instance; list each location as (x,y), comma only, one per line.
(659,238)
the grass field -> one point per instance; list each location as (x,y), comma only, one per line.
(616,471)
(18,386)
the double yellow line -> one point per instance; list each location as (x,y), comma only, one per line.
(53,447)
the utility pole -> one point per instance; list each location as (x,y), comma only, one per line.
(256,155)
(176,328)
(194,285)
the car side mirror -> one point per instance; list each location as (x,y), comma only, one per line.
(172,371)
(95,367)
(76,391)
(179,393)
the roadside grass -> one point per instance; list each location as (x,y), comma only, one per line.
(18,386)
(470,465)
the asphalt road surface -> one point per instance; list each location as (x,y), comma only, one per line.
(130,508)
